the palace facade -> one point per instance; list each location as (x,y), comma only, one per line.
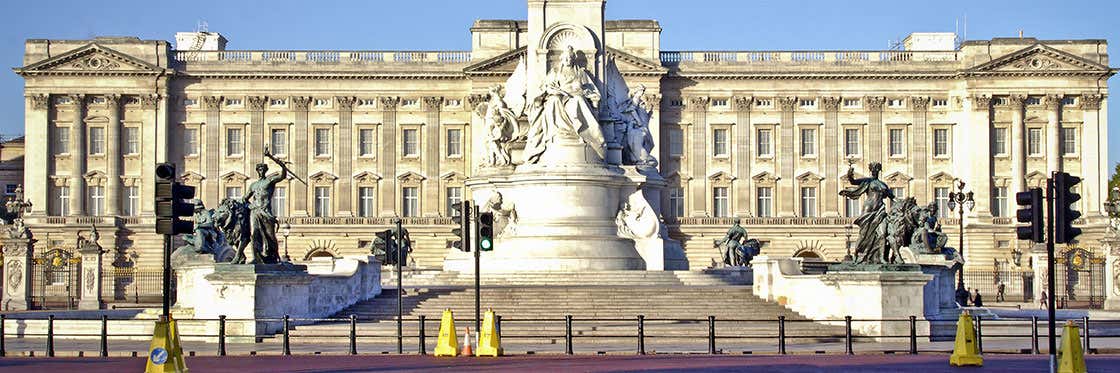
(761,136)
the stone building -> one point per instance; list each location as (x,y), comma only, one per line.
(765,136)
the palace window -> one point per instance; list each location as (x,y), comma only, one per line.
(99,100)
(96,201)
(233,142)
(676,142)
(322,142)
(765,203)
(190,102)
(719,142)
(676,102)
(999,201)
(322,201)
(279,141)
(1069,100)
(1069,140)
(190,142)
(999,101)
(410,202)
(1035,100)
(940,142)
(280,202)
(720,103)
(999,141)
(453,102)
(808,201)
(369,102)
(366,200)
(454,197)
(62,201)
(234,102)
(277,102)
(941,196)
(97,140)
(365,142)
(132,201)
(939,102)
(454,142)
(898,192)
(896,103)
(897,142)
(852,103)
(676,202)
(764,103)
(808,142)
(807,103)
(410,103)
(719,202)
(233,192)
(411,142)
(61,140)
(131,140)
(1034,141)
(10,189)
(851,142)
(322,102)
(852,208)
(765,146)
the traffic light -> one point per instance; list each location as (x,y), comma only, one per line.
(1031,213)
(172,202)
(461,217)
(486,231)
(1064,214)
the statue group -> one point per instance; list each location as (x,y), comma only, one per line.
(735,248)
(886,233)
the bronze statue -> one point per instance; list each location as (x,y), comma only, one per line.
(232,218)
(735,248)
(872,245)
(262,223)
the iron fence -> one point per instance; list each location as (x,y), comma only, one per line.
(1017,286)
(132,285)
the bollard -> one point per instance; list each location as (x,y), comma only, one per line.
(1034,335)
(782,335)
(221,335)
(3,350)
(848,335)
(287,334)
(104,351)
(1085,321)
(641,334)
(50,335)
(423,338)
(568,334)
(979,336)
(913,335)
(354,334)
(711,335)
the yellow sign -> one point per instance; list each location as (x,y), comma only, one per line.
(489,342)
(448,344)
(165,354)
(1070,357)
(965,351)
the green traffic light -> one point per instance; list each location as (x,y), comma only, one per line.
(485,244)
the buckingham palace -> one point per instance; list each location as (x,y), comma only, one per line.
(764,137)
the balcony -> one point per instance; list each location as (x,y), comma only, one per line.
(320,57)
(865,58)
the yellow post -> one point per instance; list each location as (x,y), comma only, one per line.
(965,351)
(448,344)
(489,342)
(1070,357)
(165,354)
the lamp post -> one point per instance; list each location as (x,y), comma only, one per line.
(286,230)
(961,202)
(1112,207)
(848,242)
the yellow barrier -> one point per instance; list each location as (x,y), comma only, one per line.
(165,354)
(1070,357)
(448,344)
(489,342)
(965,351)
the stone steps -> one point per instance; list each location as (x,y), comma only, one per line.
(422,278)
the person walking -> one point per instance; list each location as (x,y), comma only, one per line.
(977,301)
(1042,301)
(1001,292)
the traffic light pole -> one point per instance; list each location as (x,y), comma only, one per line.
(1050,189)
(166,275)
(477,285)
(400,290)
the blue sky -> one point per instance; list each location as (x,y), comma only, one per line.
(444,24)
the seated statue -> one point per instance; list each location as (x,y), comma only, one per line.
(207,239)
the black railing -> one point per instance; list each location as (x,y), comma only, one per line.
(718,335)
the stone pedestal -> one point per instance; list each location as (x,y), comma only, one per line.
(17,273)
(91,278)
(1111,246)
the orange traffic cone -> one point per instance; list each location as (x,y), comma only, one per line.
(467,350)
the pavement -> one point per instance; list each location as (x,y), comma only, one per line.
(928,363)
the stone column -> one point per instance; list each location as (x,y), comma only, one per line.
(831,152)
(154,146)
(784,196)
(979,122)
(1053,133)
(255,150)
(17,273)
(37,183)
(874,106)
(920,166)
(78,156)
(212,150)
(388,156)
(1111,246)
(431,203)
(742,155)
(91,277)
(1018,144)
(345,154)
(698,150)
(1094,135)
(299,149)
(113,157)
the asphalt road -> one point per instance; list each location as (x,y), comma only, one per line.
(560,363)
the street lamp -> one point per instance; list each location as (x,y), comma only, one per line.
(286,230)
(848,242)
(961,202)
(1112,207)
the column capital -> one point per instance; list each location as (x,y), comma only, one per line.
(874,103)
(474,99)
(1017,100)
(981,102)
(77,98)
(345,103)
(1091,101)
(698,103)
(744,103)
(39,101)
(830,103)
(112,99)
(433,103)
(256,103)
(301,102)
(919,103)
(389,103)
(212,102)
(1053,101)
(653,100)
(787,103)
(150,101)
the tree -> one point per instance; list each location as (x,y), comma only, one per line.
(1114,180)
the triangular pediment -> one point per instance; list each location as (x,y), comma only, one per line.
(721,177)
(234,177)
(898,178)
(411,177)
(505,63)
(941,178)
(191,177)
(91,59)
(765,177)
(1039,59)
(367,177)
(323,177)
(453,176)
(809,177)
